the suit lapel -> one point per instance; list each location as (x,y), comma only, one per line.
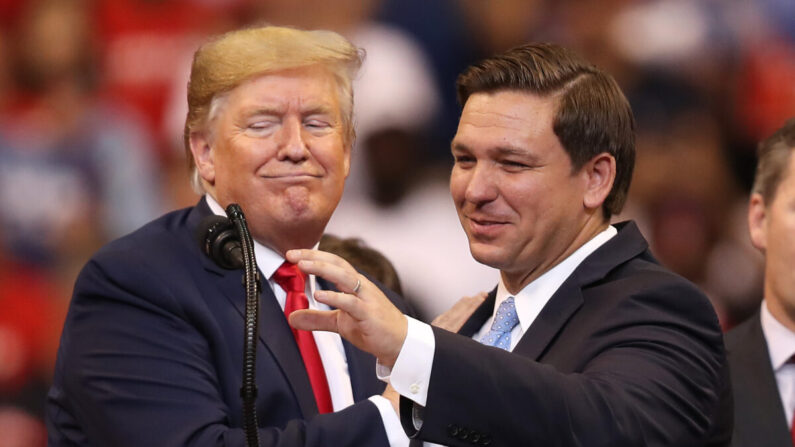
(757,388)
(553,317)
(563,304)
(274,331)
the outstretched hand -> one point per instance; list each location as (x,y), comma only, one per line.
(363,315)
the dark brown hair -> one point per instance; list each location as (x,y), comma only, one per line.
(593,115)
(774,153)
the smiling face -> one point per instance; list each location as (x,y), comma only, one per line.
(521,206)
(277,149)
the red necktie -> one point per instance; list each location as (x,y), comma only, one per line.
(293,282)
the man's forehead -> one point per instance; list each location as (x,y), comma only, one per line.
(276,92)
(509,110)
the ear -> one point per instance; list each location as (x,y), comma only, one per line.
(599,174)
(202,152)
(347,158)
(757,221)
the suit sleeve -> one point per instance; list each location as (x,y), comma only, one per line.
(134,371)
(651,377)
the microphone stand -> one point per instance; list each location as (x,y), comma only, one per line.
(251,282)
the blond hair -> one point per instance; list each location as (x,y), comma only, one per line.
(232,58)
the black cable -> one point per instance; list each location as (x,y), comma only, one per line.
(251,282)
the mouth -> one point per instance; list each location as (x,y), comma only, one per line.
(485,226)
(292,176)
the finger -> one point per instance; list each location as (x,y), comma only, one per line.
(314,320)
(297,255)
(350,304)
(345,278)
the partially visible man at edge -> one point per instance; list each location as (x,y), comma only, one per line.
(761,350)
(586,340)
(151,352)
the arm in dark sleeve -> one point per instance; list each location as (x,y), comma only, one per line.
(134,371)
(650,374)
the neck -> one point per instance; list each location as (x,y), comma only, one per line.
(516,281)
(290,239)
(779,310)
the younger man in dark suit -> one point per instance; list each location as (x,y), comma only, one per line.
(590,341)
(761,350)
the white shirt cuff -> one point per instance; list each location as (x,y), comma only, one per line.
(412,370)
(394,431)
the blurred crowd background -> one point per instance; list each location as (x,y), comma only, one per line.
(92,104)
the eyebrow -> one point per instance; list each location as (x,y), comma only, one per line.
(500,151)
(314,110)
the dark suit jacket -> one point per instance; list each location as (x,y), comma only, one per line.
(151,355)
(759,419)
(625,353)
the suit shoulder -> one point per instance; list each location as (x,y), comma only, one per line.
(141,258)
(149,243)
(645,285)
(641,275)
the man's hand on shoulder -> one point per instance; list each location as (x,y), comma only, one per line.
(454,318)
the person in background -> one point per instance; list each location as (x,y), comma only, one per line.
(364,258)
(761,350)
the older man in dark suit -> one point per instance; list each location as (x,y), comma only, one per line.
(762,349)
(151,353)
(586,340)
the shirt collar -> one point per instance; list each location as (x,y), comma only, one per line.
(534,296)
(780,340)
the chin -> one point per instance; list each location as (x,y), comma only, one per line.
(487,255)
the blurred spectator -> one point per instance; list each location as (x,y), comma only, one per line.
(30,323)
(685,197)
(74,170)
(29,329)
(761,351)
(143,44)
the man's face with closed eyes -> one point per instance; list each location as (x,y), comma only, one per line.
(276,147)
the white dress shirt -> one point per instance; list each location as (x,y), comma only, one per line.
(329,344)
(412,370)
(781,347)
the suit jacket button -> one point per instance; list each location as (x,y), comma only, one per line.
(464,434)
(475,438)
(453,430)
(485,440)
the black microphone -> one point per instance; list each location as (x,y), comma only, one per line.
(219,240)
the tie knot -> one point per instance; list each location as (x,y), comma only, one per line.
(290,278)
(506,317)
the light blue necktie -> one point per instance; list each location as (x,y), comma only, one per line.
(500,333)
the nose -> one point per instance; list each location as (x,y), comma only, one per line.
(481,186)
(292,146)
